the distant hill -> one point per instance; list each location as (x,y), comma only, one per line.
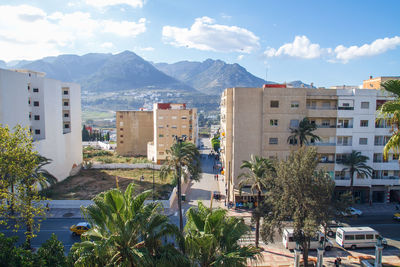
(211,76)
(300,84)
(106,72)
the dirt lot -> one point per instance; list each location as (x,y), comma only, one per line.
(89,183)
(104,156)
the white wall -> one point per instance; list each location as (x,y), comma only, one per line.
(65,150)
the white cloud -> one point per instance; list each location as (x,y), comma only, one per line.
(147,49)
(27,32)
(301,47)
(204,34)
(107,45)
(377,47)
(105,3)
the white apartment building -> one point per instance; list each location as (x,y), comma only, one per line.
(51,109)
(257,121)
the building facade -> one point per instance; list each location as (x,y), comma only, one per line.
(171,120)
(51,109)
(375,83)
(134,130)
(257,121)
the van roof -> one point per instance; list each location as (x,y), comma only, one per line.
(357,229)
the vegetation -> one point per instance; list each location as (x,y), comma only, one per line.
(50,254)
(126,232)
(91,154)
(215,143)
(183,160)
(390,111)
(303,134)
(300,193)
(95,135)
(356,163)
(212,238)
(260,171)
(20,175)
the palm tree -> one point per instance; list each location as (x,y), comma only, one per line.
(391,112)
(356,163)
(183,159)
(259,169)
(212,238)
(126,232)
(303,133)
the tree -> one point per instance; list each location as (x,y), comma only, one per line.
(126,232)
(183,159)
(215,142)
(356,163)
(51,253)
(212,238)
(85,134)
(300,193)
(259,169)
(390,111)
(303,133)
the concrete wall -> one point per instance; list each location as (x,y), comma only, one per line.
(134,131)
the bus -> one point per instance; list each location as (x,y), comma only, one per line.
(289,243)
(357,237)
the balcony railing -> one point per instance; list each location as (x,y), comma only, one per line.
(321,108)
(326,126)
(326,161)
(386,177)
(322,144)
(345,108)
(341,178)
(345,127)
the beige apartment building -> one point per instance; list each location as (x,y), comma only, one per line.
(134,130)
(171,120)
(258,121)
(375,83)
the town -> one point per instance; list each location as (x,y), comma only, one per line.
(118,159)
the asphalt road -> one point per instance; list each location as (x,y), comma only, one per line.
(60,227)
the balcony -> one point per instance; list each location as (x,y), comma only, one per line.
(325,126)
(344,126)
(322,144)
(320,108)
(345,108)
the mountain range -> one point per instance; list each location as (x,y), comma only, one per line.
(97,72)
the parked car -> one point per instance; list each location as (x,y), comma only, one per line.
(350,212)
(332,227)
(80,228)
(396,216)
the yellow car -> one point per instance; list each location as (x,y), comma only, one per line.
(79,228)
(396,216)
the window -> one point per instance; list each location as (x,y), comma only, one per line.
(183,126)
(121,123)
(344,140)
(173,126)
(160,126)
(66,115)
(274,104)
(65,92)
(395,157)
(293,141)
(37,117)
(273,141)
(184,117)
(273,122)
(36,103)
(160,117)
(37,131)
(120,116)
(66,126)
(340,158)
(369,236)
(365,105)
(36,90)
(326,123)
(121,142)
(326,105)
(174,117)
(160,135)
(121,135)
(294,123)
(360,237)
(381,140)
(121,129)
(363,141)
(349,237)
(363,123)
(160,153)
(294,104)
(66,104)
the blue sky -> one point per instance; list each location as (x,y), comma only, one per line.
(325,42)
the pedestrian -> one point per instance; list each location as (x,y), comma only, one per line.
(47,206)
(217,177)
(338,261)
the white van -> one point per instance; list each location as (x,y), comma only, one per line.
(357,237)
(289,243)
